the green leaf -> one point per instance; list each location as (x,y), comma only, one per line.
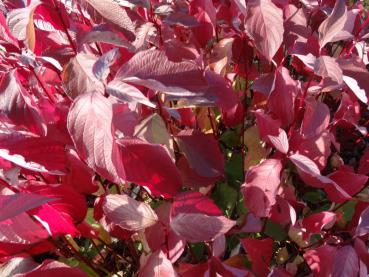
(275,231)
(225,197)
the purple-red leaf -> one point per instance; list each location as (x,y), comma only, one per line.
(14,204)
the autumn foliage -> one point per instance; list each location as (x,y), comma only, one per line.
(184,138)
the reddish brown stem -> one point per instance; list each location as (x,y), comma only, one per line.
(57,7)
(46,91)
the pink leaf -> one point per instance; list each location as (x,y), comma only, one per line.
(78,77)
(281,99)
(264,23)
(14,204)
(363,224)
(128,213)
(53,268)
(333,24)
(261,185)
(157,265)
(152,69)
(328,68)
(195,227)
(161,236)
(101,68)
(90,126)
(316,119)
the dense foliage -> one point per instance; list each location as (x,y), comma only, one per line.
(184,138)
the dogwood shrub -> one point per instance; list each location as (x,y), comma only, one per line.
(184,138)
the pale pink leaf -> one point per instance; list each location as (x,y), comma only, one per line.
(354,87)
(90,126)
(196,227)
(264,23)
(127,93)
(128,213)
(333,24)
(280,142)
(261,185)
(157,265)
(78,77)
(111,12)
(101,68)
(20,23)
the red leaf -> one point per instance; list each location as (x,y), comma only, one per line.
(310,174)
(194,202)
(141,166)
(128,213)
(260,253)
(39,154)
(316,222)
(90,126)
(261,185)
(352,183)
(196,227)
(321,260)
(17,106)
(364,163)
(202,152)
(333,24)
(264,23)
